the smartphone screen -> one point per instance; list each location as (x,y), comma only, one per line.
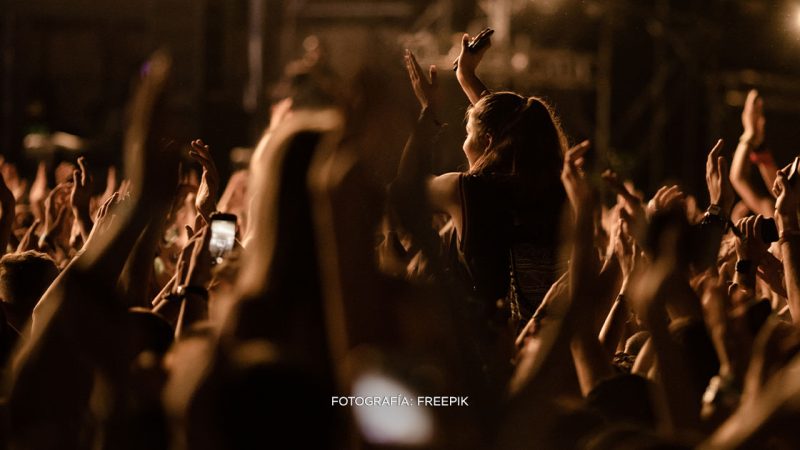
(223,237)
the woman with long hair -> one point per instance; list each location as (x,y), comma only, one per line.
(506,207)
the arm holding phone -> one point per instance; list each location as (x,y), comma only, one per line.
(471,54)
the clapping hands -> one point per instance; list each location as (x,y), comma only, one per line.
(426,90)
(753,119)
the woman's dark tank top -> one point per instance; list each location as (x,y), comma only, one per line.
(509,241)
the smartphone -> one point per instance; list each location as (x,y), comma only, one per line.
(480,41)
(477,43)
(223,236)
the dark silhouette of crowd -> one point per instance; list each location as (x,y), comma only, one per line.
(557,303)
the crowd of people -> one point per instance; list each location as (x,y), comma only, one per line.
(567,310)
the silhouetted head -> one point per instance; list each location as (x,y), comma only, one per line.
(513,135)
(24,277)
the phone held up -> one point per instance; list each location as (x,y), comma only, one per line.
(477,43)
(223,236)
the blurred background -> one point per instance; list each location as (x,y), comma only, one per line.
(652,83)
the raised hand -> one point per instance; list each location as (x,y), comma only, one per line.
(38,191)
(465,66)
(425,90)
(789,231)
(786,204)
(103,218)
(720,190)
(468,59)
(750,246)
(625,249)
(55,215)
(665,198)
(633,208)
(206,200)
(577,187)
(80,197)
(753,119)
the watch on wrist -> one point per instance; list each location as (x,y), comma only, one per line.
(713,215)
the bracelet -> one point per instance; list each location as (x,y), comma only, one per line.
(761,158)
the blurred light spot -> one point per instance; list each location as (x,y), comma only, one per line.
(797,17)
(396,424)
(519,61)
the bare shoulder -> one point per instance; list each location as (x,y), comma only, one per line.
(443,191)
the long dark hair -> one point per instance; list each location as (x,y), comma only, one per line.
(527,140)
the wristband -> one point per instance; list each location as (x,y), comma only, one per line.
(762,158)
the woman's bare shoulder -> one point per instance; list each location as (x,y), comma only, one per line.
(443,191)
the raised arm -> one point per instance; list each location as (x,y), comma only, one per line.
(206,201)
(789,232)
(78,329)
(467,64)
(591,363)
(614,326)
(415,161)
(752,138)
(415,189)
(80,197)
